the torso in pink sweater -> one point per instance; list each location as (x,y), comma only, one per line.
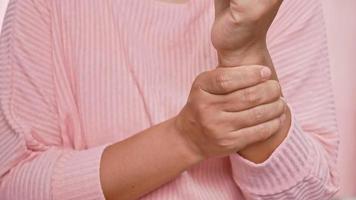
(78,75)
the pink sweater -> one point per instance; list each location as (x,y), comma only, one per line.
(76,76)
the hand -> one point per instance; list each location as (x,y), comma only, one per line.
(241,27)
(229,109)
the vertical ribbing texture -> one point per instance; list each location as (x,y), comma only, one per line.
(76,76)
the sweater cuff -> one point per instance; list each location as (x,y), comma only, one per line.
(287,166)
(77,175)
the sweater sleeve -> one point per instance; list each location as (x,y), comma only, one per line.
(304,165)
(34,163)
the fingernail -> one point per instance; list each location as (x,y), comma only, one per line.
(265,73)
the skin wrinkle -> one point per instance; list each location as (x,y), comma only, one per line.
(198,138)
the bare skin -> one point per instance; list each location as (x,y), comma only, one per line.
(239,35)
(229,109)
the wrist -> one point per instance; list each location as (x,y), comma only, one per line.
(254,53)
(187,147)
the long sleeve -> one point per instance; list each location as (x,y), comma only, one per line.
(65,91)
(34,163)
(304,165)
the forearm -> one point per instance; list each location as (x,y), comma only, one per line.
(142,163)
(252,55)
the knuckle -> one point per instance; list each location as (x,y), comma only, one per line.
(276,107)
(264,131)
(251,96)
(256,73)
(267,127)
(262,135)
(276,87)
(258,113)
(240,74)
(255,134)
(271,126)
(238,122)
(249,76)
(222,81)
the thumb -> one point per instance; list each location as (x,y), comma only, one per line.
(220,6)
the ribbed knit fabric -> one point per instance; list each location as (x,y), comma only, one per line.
(76,76)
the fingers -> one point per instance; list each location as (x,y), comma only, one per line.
(226,80)
(261,132)
(262,93)
(256,115)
